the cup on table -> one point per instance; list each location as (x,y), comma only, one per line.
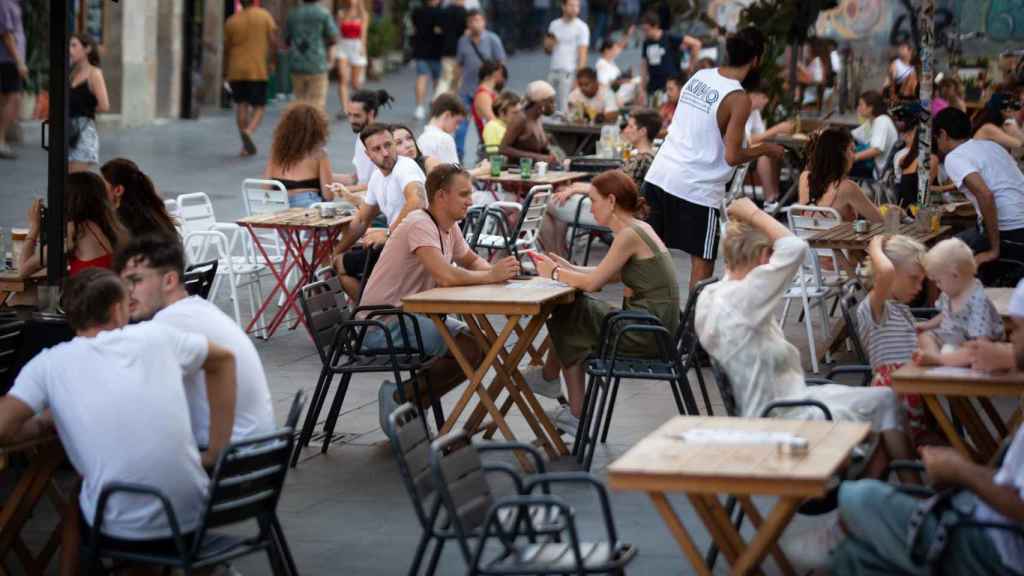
(497,161)
(327,210)
(542,168)
(891,218)
(526,168)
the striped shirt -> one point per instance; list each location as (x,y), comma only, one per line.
(890,341)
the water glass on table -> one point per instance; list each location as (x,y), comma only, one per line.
(497,162)
(526,168)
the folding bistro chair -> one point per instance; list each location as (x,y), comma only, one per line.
(246,485)
(526,231)
(199,278)
(583,224)
(506,548)
(339,343)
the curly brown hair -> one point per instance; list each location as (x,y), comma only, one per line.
(303,129)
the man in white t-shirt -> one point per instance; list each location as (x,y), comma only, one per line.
(436,141)
(152,268)
(877,518)
(594,100)
(362,112)
(396,188)
(685,185)
(116,398)
(991,179)
(876,138)
(567,41)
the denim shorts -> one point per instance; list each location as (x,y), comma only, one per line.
(304,199)
(429,67)
(433,343)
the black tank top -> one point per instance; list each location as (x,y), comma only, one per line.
(81,101)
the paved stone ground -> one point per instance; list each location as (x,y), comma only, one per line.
(346,512)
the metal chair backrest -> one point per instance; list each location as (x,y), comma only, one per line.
(848,302)
(724,389)
(739,178)
(532,216)
(459,478)
(198,278)
(195,211)
(263,196)
(805,221)
(323,315)
(172,207)
(247,481)
(372,257)
(410,441)
(686,338)
(298,402)
(11,336)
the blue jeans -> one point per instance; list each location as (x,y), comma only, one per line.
(597,35)
(463,129)
(433,342)
(304,199)
(876,517)
(430,68)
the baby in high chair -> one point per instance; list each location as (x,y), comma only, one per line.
(965,312)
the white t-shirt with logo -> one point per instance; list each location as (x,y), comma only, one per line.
(569,37)
(999,171)
(254,411)
(607,71)
(122,416)
(880,134)
(439,144)
(691,162)
(388,192)
(364,166)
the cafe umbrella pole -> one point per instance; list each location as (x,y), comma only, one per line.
(57,148)
(926,27)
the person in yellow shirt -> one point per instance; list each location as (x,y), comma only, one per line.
(250,43)
(505,106)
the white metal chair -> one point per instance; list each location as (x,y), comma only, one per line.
(492,230)
(266,197)
(205,239)
(811,286)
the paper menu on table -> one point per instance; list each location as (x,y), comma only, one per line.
(536,283)
(953,372)
(731,436)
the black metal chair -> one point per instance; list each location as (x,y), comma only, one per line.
(198,278)
(577,228)
(527,227)
(11,336)
(506,547)
(690,352)
(410,441)
(339,343)
(246,485)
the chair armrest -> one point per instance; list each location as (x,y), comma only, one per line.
(795,404)
(139,490)
(815,381)
(611,321)
(545,481)
(383,311)
(661,336)
(849,369)
(493,525)
(507,470)
(535,455)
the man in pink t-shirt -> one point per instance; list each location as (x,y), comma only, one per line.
(425,251)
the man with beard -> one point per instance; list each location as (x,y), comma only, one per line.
(525,136)
(685,185)
(362,111)
(396,188)
(152,268)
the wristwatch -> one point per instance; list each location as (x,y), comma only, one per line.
(554,273)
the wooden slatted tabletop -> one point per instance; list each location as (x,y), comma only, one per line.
(844,237)
(943,381)
(553,177)
(296,218)
(11,281)
(514,297)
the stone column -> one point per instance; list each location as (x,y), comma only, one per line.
(213,53)
(170,38)
(138,61)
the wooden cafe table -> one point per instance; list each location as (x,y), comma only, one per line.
(45,455)
(960,386)
(11,282)
(850,246)
(299,229)
(664,462)
(515,183)
(515,300)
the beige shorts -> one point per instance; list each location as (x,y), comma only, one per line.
(311,88)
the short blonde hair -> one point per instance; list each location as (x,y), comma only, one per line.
(743,244)
(951,255)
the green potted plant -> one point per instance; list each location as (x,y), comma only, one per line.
(381,38)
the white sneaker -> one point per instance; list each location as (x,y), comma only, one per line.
(565,421)
(771,207)
(534,376)
(421,113)
(808,543)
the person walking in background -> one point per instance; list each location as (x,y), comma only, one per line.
(601,11)
(13,70)
(354,23)
(455,15)
(250,42)
(446,112)
(662,53)
(309,32)
(567,41)
(540,16)
(87,96)
(427,46)
(477,46)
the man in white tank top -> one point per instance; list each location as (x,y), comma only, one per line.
(686,183)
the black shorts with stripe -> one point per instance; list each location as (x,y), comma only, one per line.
(681,224)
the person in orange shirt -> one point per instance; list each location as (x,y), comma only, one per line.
(250,43)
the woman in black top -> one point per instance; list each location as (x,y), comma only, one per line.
(87,96)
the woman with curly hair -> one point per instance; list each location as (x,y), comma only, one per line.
(298,158)
(139,206)
(93,230)
(826,181)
